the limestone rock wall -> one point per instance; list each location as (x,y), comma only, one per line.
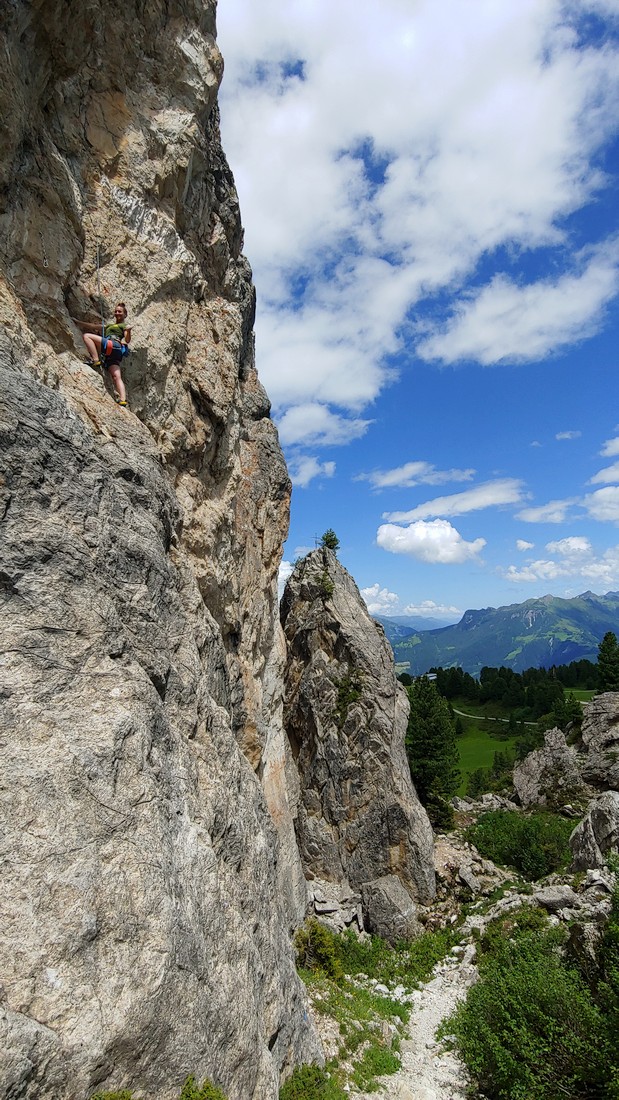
(558,773)
(586,774)
(358,818)
(150,873)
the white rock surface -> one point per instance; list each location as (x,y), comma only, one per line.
(150,871)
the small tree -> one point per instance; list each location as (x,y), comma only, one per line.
(330,540)
(431,750)
(608,662)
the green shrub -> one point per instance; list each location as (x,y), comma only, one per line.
(349,689)
(326,585)
(607,988)
(316,950)
(311,1083)
(377,1061)
(191,1090)
(530,1029)
(409,963)
(533,844)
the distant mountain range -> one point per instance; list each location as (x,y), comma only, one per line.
(400,626)
(537,633)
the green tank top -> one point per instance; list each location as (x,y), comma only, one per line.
(115,330)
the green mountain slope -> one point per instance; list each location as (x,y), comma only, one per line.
(540,632)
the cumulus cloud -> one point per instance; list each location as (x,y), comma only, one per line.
(490,494)
(413,473)
(536,571)
(603,504)
(355,212)
(568,435)
(522,545)
(576,559)
(431,610)
(285,571)
(608,474)
(610,448)
(315,425)
(571,547)
(380,601)
(555,511)
(436,542)
(508,323)
(303,469)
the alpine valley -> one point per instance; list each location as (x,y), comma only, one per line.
(537,633)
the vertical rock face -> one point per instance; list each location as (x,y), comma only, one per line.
(550,775)
(146,896)
(358,818)
(558,773)
(599,742)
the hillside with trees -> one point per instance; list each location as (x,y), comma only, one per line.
(537,633)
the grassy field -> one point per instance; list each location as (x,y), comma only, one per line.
(582,695)
(483,735)
(476,749)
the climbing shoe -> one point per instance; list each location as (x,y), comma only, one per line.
(123,404)
(92,362)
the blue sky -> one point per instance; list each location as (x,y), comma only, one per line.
(429,194)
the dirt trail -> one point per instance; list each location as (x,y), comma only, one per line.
(430,1071)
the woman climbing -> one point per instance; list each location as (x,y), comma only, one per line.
(110,348)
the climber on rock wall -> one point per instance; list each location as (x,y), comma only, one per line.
(110,348)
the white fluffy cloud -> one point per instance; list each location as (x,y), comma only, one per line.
(285,571)
(380,601)
(555,511)
(436,542)
(489,495)
(610,448)
(568,435)
(507,322)
(315,425)
(603,504)
(356,212)
(413,473)
(608,474)
(523,546)
(574,546)
(429,609)
(305,468)
(576,559)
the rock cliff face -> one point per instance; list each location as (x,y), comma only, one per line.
(559,773)
(147,893)
(358,820)
(588,770)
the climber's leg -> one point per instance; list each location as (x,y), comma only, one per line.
(93,345)
(117,379)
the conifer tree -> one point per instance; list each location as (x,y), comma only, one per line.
(330,540)
(431,750)
(608,662)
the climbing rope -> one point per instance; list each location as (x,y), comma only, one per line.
(99,293)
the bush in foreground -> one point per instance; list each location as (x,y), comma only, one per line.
(311,1083)
(530,1029)
(533,844)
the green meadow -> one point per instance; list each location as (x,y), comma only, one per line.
(476,749)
